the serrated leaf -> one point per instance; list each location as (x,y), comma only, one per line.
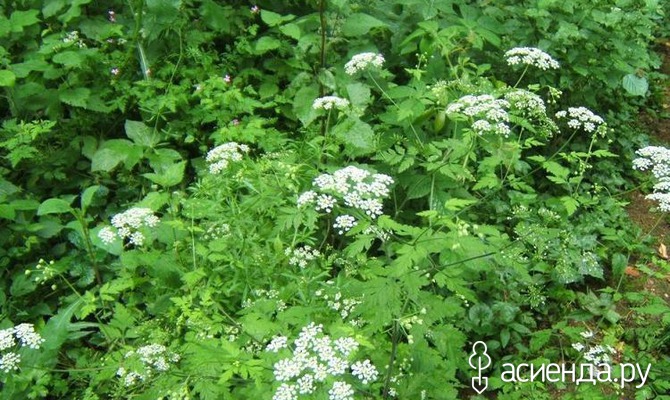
(356,135)
(266,43)
(106,160)
(458,204)
(87,196)
(75,97)
(7,78)
(291,30)
(141,134)
(69,59)
(302,104)
(570,204)
(51,7)
(54,206)
(359,24)
(20,19)
(171,176)
(274,19)
(635,85)
(359,95)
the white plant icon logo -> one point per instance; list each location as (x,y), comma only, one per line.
(479,361)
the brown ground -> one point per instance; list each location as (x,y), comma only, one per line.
(656,278)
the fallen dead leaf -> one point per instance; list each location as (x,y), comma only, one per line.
(663,252)
(632,271)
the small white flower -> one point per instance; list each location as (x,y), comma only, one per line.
(9,361)
(582,117)
(364,371)
(362,61)
(344,223)
(107,235)
(26,334)
(530,56)
(221,156)
(341,391)
(586,334)
(578,346)
(330,102)
(277,343)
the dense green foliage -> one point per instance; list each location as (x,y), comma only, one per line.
(505,228)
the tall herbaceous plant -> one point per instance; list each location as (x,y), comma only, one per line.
(322,200)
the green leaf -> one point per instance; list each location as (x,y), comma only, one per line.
(302,104)
(360,24)
(266,43)
(20,19)
(635,85)
(291,30)
(51,7)
(171,176)
(7,78)
(458,204)
(570,204)
(106,160)
(75,97)
(54,206)
(356,135)
(274,19)
(141,134)
(69,59)
(87,196)
(359,95)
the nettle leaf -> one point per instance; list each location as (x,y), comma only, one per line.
(113,152)
(302,104)
(141,134)
(52,7)
(69,59)
(75,97)
(291,30)
(274,19)
(359,95)
(356,135)
(267,43)
(7,78)
(635,85)
(360,24)
(20,19)
(54,206)
(170,176)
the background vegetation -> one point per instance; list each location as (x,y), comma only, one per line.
(517,238)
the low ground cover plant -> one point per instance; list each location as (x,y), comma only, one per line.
(325,200)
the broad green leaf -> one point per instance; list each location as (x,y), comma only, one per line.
(7,78)
(302,104)
(7,212)
(266,43)
(106,160)
(291,30)
(635,85)
(360,24)
(359,95)
(52,7)
(87,196)
(619,264)
(458,204)
(171,176)
(75,97)
(274,19)
(20,19)
(141,134)
(69,58)
(357,136)
(54,206)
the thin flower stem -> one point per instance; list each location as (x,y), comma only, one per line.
(521,77)
(416,135)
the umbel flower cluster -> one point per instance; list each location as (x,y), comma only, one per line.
(489,114)
(363,61)
(128,225)
(302,256)
(583,118)
(530,56)
(330,102)
(657,160)
(22,335)
(150,359)
(317,358)
(594,354)
(350,187)
(220,157)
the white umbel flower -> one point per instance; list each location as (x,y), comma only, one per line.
(362,61)
(583,118)
(330,102)
(220,157)
(530,56)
